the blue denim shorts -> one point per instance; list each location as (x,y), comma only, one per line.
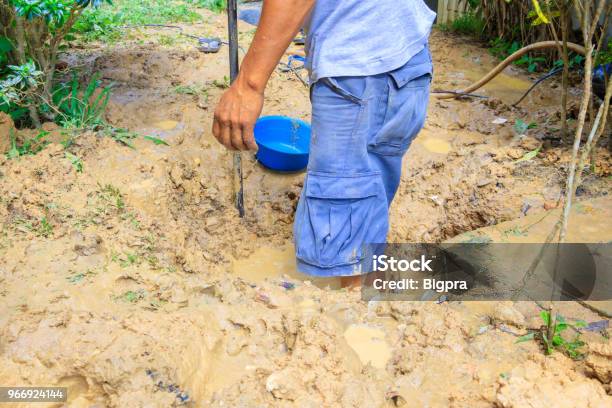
(361,128)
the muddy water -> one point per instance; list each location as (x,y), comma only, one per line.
(271,263)
(267,262)
(433,144)
(370,344)
(506,87)
(166,124)
(167,289)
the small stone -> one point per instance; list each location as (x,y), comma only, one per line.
(212,223)
(436,199)
(549,205)
(483,182)
(506,313)
(515,153)
(283,384)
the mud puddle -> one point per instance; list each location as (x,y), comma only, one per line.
(370,344)
(508,88)
(268,263)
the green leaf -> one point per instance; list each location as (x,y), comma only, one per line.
(156,140)
(528,156)
(520,127)
(14,151)
(580,324)
(541,16)
(525,338)
(77,163)
(5,45)
(545,315)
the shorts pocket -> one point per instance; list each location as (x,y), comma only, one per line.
(405,115)
(337,216)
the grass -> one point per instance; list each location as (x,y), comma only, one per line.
(76,161)
(105,22)
(215,5)
(112,196)
(501,49)
(40,228)
(27,147)
(469,24)
(125,259)
(81,107)
(131,296)
(192,89)
(76,277)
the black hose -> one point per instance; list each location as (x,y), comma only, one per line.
(553,72)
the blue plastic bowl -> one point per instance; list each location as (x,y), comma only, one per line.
(283,142)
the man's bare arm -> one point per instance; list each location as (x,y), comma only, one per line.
(241,104)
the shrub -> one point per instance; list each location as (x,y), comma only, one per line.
(469,23)
(34,31)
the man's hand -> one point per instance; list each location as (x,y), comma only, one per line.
(235,117)
(241,104)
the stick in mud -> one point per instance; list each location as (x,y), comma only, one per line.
(232,27)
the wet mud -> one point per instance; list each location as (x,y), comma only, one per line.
(134,283)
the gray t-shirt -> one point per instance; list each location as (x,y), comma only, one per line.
(364,37)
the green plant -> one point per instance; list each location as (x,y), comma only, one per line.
(120,135)
(521,127)
(131,296)
(222,84)
(18,87)
(108,24)
(529,155)
(112,196)
(215,5)
(156,140)
(80,108)
(604,56)
(41,228)
(532,63)
(192,89)
(128,260)
(28,147)
(33,33)
(77,277)
(45,228)
(500,48)
(574,60)
(469,23)
(76,162)
(550,336)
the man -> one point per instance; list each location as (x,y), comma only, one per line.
(370,71)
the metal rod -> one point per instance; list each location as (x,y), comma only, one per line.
(232,27)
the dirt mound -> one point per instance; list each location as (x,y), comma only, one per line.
(6,126)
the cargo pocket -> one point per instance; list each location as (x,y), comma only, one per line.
(337,141)
(405,113)
(337,216)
